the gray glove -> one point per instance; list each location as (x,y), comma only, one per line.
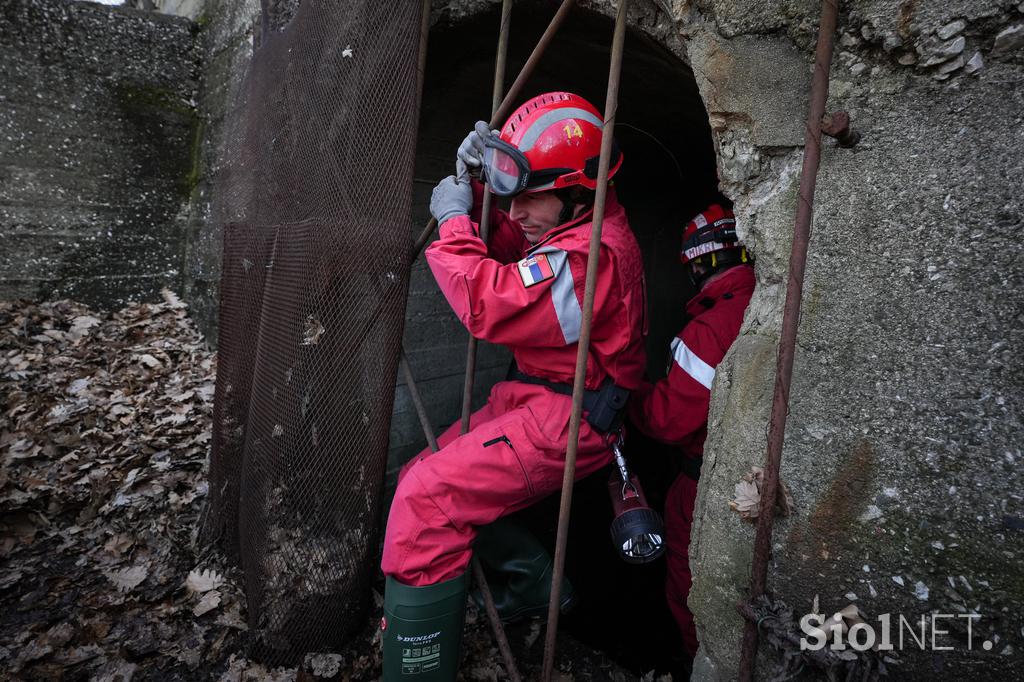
(451,198)
(471,151)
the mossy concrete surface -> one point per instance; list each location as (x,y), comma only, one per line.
(225,42)
(97,120)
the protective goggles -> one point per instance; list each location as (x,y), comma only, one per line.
(506,169)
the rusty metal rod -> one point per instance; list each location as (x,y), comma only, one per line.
(583,345)
(501,57)
(417,401)
(421,241)
(502,111)
(790,322)
(478,571)
(500,60)
(495,621)
(421,60)
(421,77)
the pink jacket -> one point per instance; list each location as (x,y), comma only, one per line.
(530,297)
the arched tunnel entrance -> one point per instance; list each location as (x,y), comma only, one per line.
(668,176)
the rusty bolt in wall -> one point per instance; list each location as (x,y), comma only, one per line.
(837,125)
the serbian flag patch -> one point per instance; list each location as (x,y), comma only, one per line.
(535,269)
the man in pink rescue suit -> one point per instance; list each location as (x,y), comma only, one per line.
(523,290)
(675,409)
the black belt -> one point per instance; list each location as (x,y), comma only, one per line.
(604,408)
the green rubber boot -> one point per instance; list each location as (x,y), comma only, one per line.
(519,572)
(422,630)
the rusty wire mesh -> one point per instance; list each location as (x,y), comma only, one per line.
(312,194)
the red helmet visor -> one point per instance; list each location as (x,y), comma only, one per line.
(506,170)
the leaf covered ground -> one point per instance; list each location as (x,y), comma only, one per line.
(105,425)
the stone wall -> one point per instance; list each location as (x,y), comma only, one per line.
(903,439)
(98,124)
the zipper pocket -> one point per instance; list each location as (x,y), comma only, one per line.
(506,441)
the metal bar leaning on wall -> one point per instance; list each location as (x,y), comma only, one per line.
(790,322)
(478,573)
(510,98)
(414,393)
(501,58)
(583,345)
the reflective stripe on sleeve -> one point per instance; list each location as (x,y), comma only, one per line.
(563,295)
(702,372)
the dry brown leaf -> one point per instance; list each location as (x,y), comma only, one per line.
(748,496)
(849,612)
(119,544)
(127,579)
(173,302)
(149,361)
(83,322)
(314,330)
(209,602)
(203,581)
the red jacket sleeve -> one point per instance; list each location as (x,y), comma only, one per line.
(676,407)
(494,300)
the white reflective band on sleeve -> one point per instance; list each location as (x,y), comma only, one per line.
(702,372)
(563,295)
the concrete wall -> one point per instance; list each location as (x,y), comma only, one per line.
(903,440)
(96,153)
(225,43)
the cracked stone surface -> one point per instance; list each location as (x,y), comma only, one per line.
(904,428)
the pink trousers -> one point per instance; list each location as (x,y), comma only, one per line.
(512,457)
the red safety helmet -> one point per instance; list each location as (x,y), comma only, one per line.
(550,142)
(712,231)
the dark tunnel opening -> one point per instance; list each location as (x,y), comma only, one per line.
(668,175)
